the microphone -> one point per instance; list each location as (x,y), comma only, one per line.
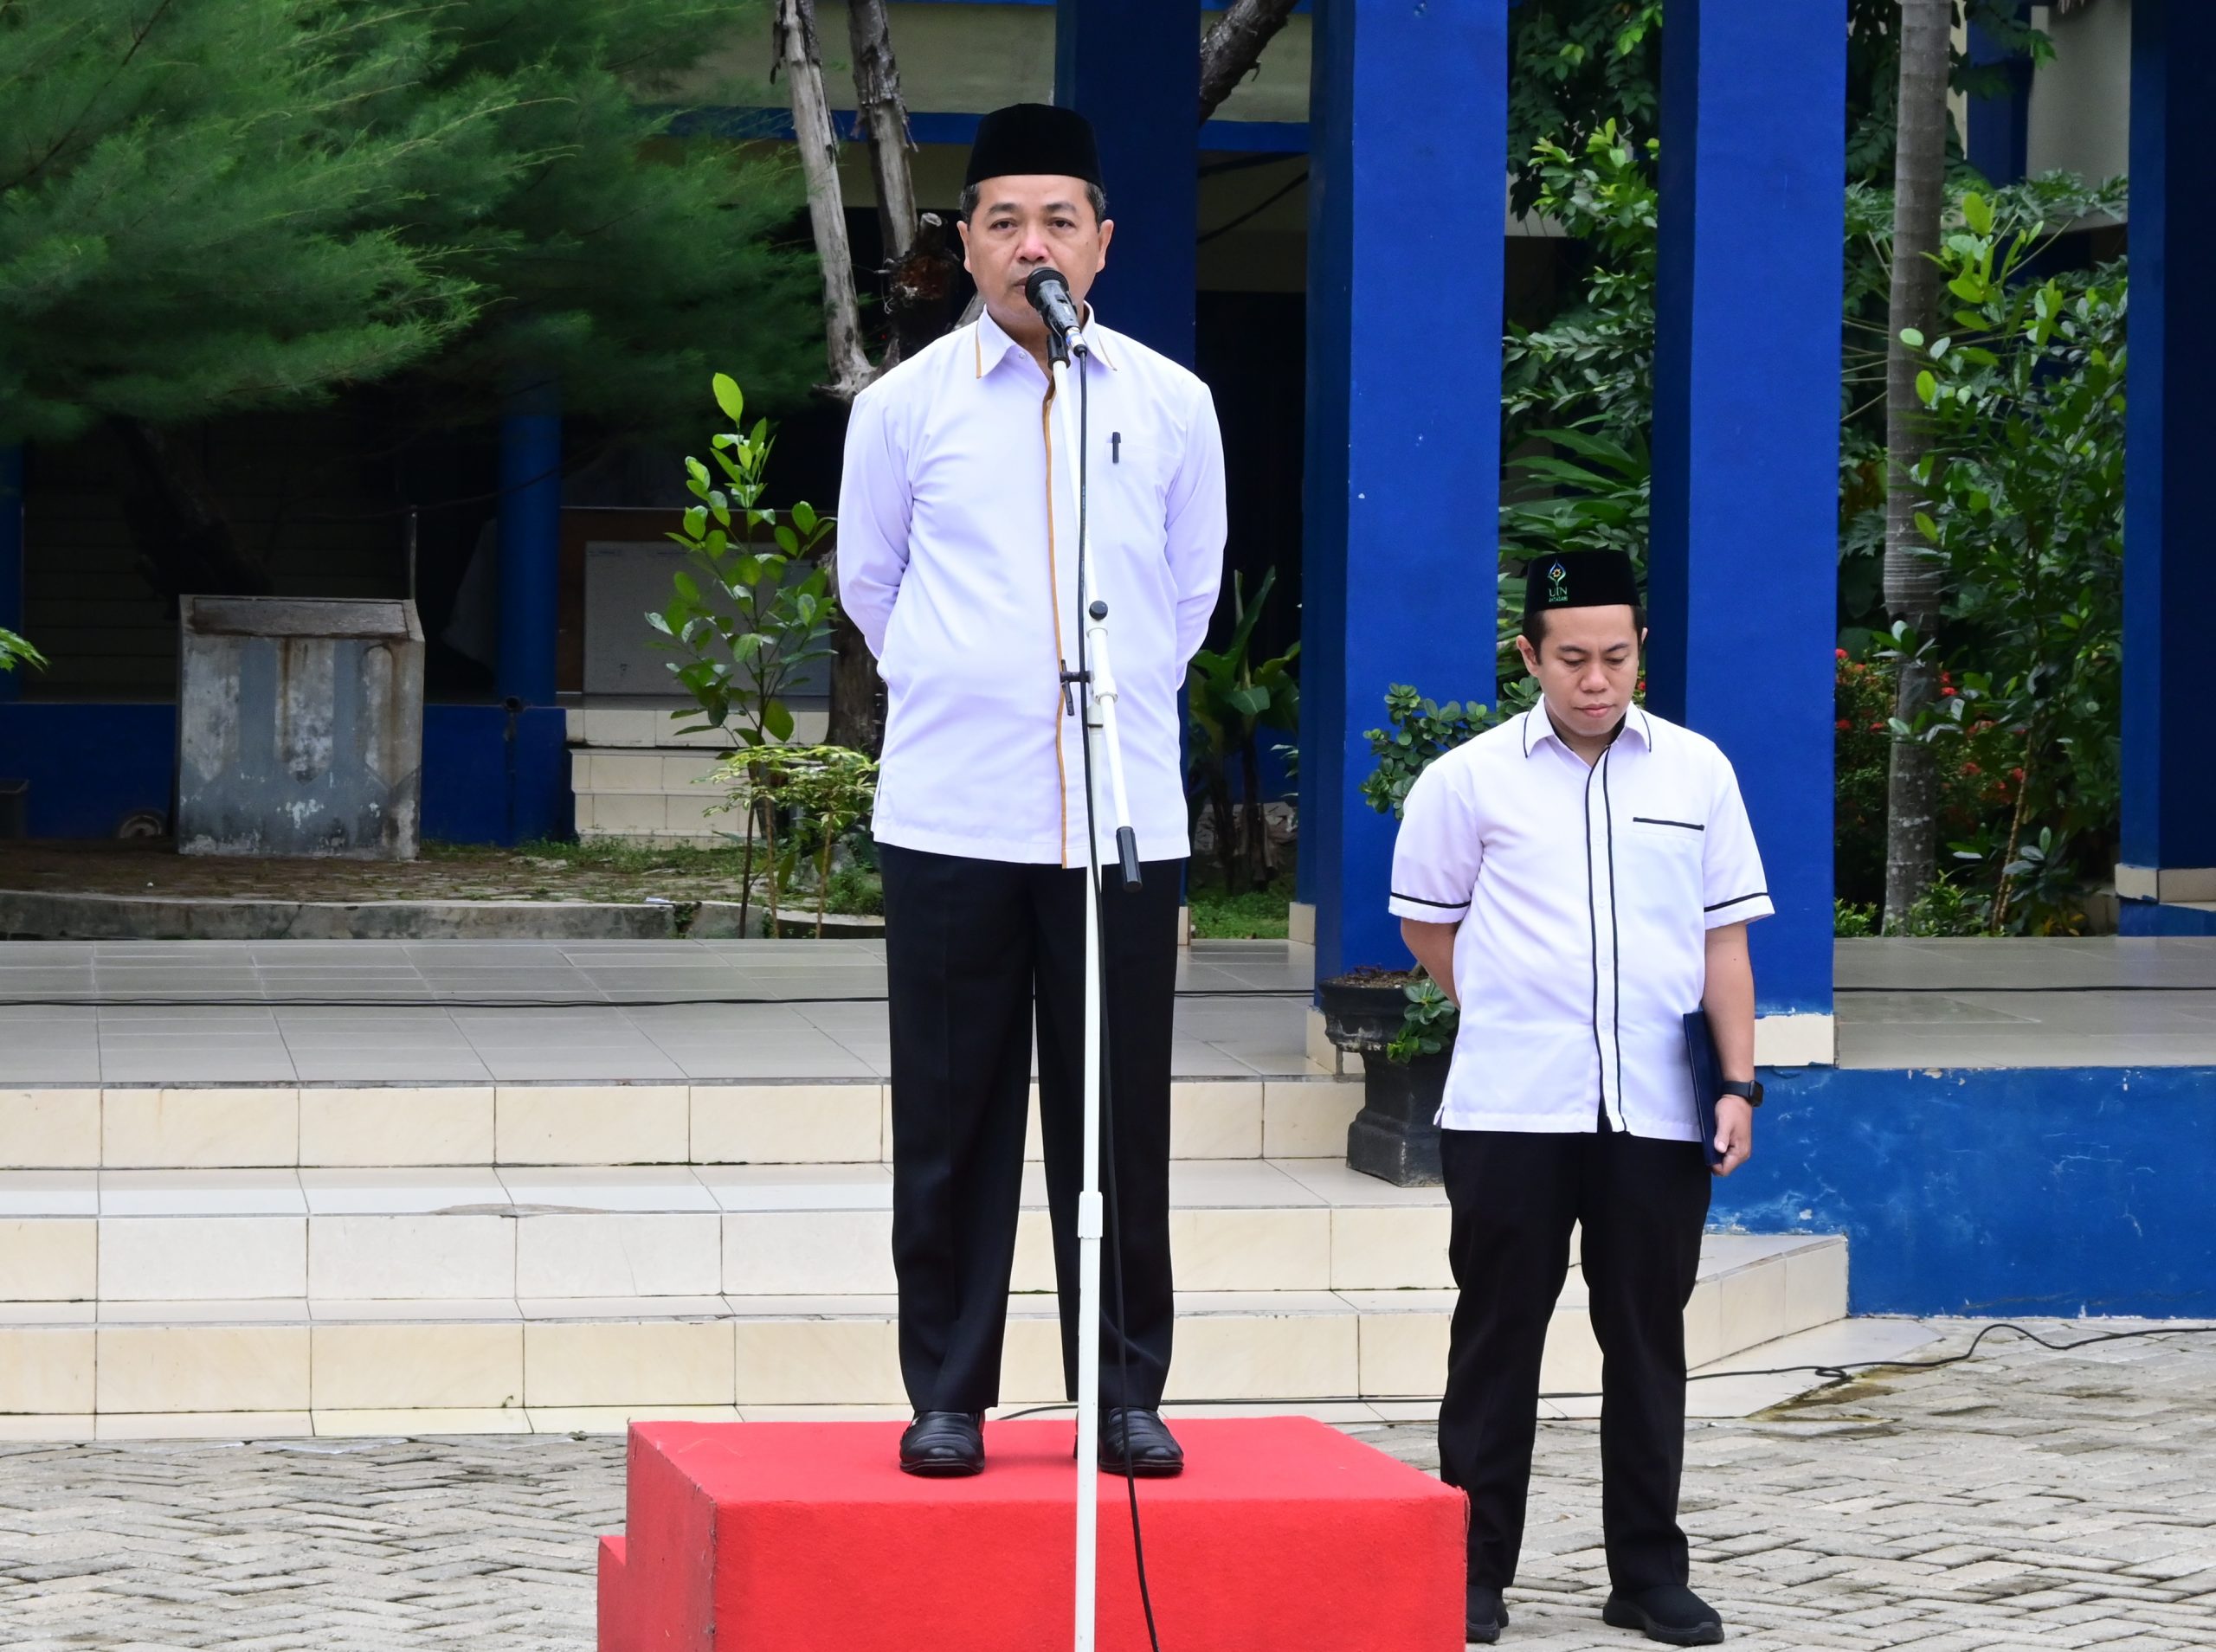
(1049,292)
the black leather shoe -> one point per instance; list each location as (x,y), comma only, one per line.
(945,1444)
(1483,1616)
(1671,1614)
(1154,1452)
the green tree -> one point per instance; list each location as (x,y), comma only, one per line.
(216,207)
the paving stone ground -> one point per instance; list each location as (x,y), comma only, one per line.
(2025,1499)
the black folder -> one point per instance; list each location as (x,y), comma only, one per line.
(1707,1079)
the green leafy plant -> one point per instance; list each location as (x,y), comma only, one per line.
(15,650)
(1428,1025)
(1417,731)
(746,618)
(809,796)
(1233,697)
(2024,480)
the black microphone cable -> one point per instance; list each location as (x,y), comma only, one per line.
(1096,893)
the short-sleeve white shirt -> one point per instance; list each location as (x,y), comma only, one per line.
(1585,895)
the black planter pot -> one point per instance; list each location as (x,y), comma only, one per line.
(1393,1137)
(1362,1015)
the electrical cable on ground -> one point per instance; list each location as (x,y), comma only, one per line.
(520,1003)
(1843,1371)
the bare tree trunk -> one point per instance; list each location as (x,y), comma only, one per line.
(1915,583)
(857,720)
(885,117)
(1230,49)
(801,58)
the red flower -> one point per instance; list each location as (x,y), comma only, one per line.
(1947,693)
(1844,725)
(1876,728)
(1969,768)
(2016,774)
(1842,654)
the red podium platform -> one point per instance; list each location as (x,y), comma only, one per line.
(1282,1535)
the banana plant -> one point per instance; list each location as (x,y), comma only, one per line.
(1232,697)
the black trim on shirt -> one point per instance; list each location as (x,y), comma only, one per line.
(1593,950)
(1648,819)
(1738,900)
(1419,900)
(1615,948)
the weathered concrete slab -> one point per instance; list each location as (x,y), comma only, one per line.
(37,915)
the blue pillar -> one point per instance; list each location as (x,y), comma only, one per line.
(2168,851)
(1742,569)
(1408,178)
(530,538)
(11,556)
(1133,68)
(1999,124)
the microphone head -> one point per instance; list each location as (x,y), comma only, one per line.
(1043,279)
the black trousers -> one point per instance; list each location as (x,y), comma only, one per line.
(1640,1205)
(978,953)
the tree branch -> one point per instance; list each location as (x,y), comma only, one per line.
(1232,47)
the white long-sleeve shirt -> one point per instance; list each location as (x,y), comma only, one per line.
(958,561)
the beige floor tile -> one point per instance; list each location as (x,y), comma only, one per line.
(1227,1357)
(1031,1355)
(253,1310)
(188,1258)
(829,1414)
(352,1258)
(606,1254)
(49,1259)
(1209,1121)
(803,1361)
(47,1368)
(449,1124)
(1815,1286)
(202,1368)
(612,1124)
(429,1420)
(1035,1252)
(1404,1354)
(1704,1324)
(415,1189)
(205,1425)
(623,1307)
(808,1253)
(678,1362)
(617,1419)
(189,1128)
(770,1124)
(46,1313)
(49,1192)
(1752,1305)
(63,1429)
(367,1367)
(1305,1120)
(49,1130)
(1252,1250)
(1390,1247)
(1572,1361)
(201,1193)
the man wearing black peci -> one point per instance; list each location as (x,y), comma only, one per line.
(957,559)
(1579,879)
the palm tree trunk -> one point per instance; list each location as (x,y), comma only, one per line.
(800,59)
(885,117)
(1914,575)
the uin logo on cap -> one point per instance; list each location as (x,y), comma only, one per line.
(1557,583)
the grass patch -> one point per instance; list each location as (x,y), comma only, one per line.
(1258,915)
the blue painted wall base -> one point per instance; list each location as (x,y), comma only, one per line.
(2013,1191)
(91,766)
(2151,917)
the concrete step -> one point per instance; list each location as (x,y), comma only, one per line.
(635,777)
(289,1365)
(480,1126)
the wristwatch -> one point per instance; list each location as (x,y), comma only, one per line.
(1749,1092)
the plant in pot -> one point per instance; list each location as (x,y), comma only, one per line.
(1395,1136)
(1374,1011)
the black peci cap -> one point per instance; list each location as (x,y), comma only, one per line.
(1581,579)
(1033,139)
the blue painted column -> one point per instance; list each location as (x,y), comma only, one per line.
(2168,851)
(11,557)
(1133,68)
(1742,569)
(530,540)
(2000,126)
(1407,204)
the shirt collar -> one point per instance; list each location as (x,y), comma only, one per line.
(993,345)
(1539,727)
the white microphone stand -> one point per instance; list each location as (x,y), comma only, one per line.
(1104,749)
